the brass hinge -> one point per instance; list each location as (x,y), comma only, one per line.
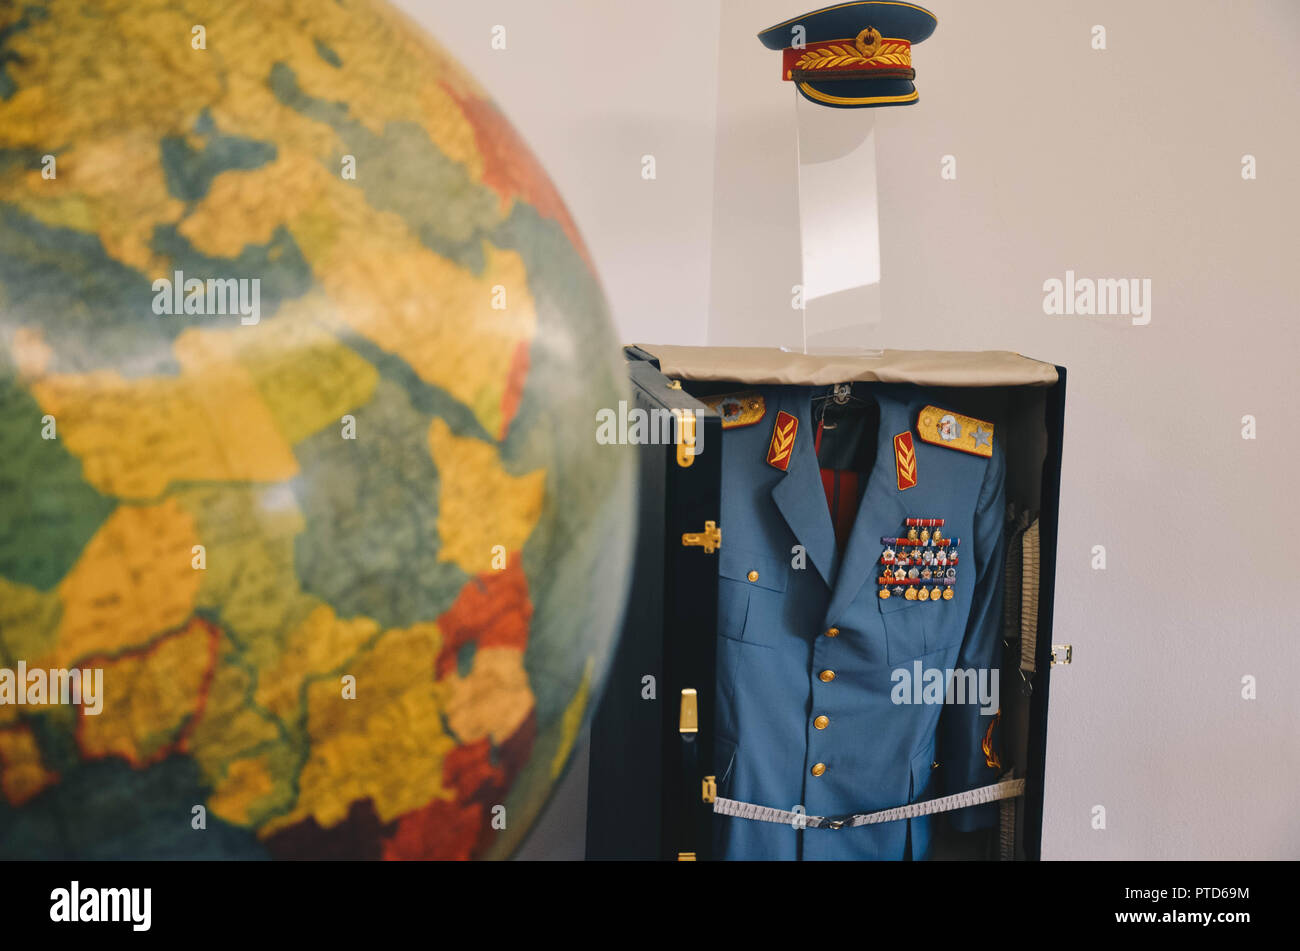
(1067,654)
(709,790)
(710,539)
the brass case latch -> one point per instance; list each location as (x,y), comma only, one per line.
(688,720)
(710,539)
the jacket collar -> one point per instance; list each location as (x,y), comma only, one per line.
(802,501)
(799,495)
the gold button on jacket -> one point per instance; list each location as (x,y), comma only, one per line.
(827,676)
(822,722)
(818,769)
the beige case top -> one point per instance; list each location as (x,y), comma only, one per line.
(770,365)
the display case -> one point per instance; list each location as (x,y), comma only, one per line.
(656,771)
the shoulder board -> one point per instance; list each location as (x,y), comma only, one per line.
(744,408)
(943,427)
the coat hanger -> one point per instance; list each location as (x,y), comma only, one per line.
(841,394)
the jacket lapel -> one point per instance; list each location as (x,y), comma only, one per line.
(881,508)
(799,495)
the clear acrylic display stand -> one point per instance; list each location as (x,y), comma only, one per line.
(839,229)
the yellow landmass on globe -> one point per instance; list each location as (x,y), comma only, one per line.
(248,533)
(150,695)
(161,78)
(60,106)
(233,730)
(306,378)
(132,582)
(246,784)
(22,775)
(151,72)
(480,505)
(382,291)
(493,699)
(247,208)
(29,621)
(387,74)
(320,644)
(387,745)
(379,288)
(86,193)
(135,437)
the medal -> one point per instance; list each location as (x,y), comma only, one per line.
(924,563)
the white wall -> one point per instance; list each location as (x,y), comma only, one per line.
(1115,163)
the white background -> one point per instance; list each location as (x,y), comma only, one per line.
(1117,163)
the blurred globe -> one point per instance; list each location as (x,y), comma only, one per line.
(300,359)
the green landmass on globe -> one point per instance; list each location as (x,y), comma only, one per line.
(389,479)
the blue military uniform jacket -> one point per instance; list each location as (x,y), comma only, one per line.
(799,644)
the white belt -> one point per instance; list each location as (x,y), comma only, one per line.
(1006,789)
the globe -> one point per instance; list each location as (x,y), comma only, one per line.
(307,547)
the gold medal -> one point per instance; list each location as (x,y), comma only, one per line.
(947,594)
(911,594)
(923,594)
(884,593)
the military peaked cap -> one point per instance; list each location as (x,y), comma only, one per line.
(852,55)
